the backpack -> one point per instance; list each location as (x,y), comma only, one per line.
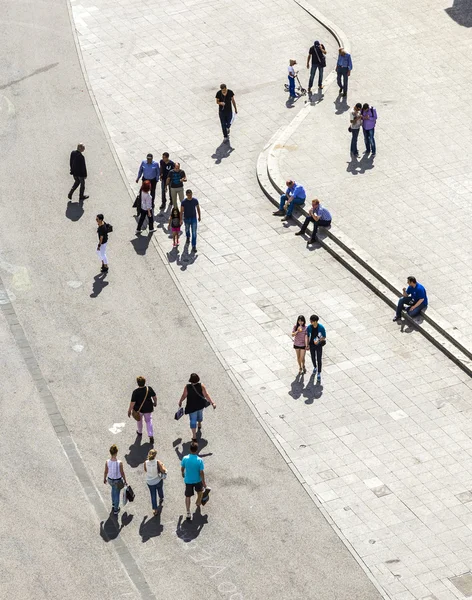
(109,227)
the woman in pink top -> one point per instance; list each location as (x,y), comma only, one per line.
(298,334)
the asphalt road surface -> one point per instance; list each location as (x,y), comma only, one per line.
(84,340)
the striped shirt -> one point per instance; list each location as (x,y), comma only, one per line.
(299,338)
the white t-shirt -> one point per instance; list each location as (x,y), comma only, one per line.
(291,71)
(146,201)
(356,120)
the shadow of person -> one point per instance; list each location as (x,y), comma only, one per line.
(137,452)
(202,442)
(190,530)
(461,12)
(152,527)
(186,258)
(313,391)
(98,284)
(75,210)
(173,255)
(341,105)
(141,242)
(297,386)
(315,98)
(223,151)
(359,167)
(110,529)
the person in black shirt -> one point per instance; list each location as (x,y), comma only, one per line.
(166,166)
(102,242)
(78,170)
(318,61)
(226,102)
(197,399)
(143,401)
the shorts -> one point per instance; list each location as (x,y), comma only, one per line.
(175,229)
(299,347)
(189,487)
(194,417)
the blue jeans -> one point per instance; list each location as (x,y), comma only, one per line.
(313,73)
(158,488)
(191,223)
(369,140)
(291,86)
(225,120)
(355,135)
(195,417)
(411,313)
(283,200)
(343,78)
(115,493)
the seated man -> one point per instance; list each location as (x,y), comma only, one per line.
(414,296)
(294,194)
(319,216)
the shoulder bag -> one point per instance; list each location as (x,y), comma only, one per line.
(137,202)
(137,414)
(207,402)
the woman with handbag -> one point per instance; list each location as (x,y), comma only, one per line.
(197,399)
(143,401)
(115,476)
(155,475)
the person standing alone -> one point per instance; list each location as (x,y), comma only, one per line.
(102,231)
(143,401)
(149,171)
(318,62)
(343,69)
(78,170)
(226,103)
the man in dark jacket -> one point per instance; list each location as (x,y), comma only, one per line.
(78,170)
(318,62)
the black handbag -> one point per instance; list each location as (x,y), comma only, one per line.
(129,493)
(137,202)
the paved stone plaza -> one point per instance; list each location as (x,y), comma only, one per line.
(383,445)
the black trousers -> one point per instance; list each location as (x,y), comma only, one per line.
(144,214)
(153,183)
(316,352)
(316,224)
(164,189)
(78,181)
(225,120)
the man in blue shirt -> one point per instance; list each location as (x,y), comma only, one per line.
(319,216)
(149,170)
(315,339)
(193,472)
(414,296)
(188,214)
(343,69)
(294,194)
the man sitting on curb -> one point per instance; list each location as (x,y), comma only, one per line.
(294,194)
(319,216)
(414,296)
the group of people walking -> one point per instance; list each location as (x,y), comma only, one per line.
(141,407)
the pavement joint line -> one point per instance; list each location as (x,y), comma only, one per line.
(73,455)
(270,180)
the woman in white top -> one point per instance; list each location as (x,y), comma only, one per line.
(356,122)
(155,475)
(115,475)
(146,207)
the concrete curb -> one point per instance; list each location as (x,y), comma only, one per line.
(433,326)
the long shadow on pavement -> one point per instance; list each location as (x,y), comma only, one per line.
(141,242)
(138,452)
(75,210)
(461,12)
(223,151)
(202,442)
(359,167)
(98,284)
(110,529)
(151,528)
(186,258)
(190,530)
(341,105)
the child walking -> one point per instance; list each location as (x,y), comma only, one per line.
(174,224)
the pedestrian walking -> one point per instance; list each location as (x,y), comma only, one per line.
(78,170)
(355,126)
(291,78)
(319,216)
(226,102)
(155,475)
(369,120)
(197,400)
(298,334)
(188,214)
(343,69)
(149,171)
(318,62)
(315,339)
(414,298)
(166,165)
(174,225)
(146,208)
(193,472)
(102,231)
(294,194)
(143,401)
(176,180)
(115,476)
